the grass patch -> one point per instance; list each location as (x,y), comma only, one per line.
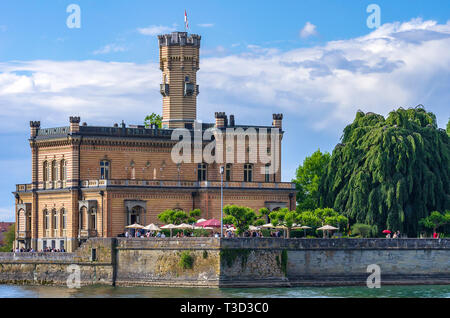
(186,260)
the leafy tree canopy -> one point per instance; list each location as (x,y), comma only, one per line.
(390,172)
(240,216)
(363,230)
(153,119)
(436,220)
(448,127)
(178,216)
(308,178)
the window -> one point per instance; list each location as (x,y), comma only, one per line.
(186,79)
(54,170)
(228,172)
(202,172)
(46,220)
(45,171)
(63,219)
(133,170)
(104,169)
(54,219)
(248,172)
(63,170)
(267,174)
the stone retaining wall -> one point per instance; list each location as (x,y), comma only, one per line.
(238,262)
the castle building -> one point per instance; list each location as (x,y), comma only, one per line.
(92,181)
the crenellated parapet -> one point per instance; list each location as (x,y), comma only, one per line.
(277,120)
(34,127)
(74,124)
(179,38)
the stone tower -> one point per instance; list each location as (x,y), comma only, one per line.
(179,62)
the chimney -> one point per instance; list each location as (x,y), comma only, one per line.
(220,119)
(231,120)
(34,127)
(277,121)
(74,124)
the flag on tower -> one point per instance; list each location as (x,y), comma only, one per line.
(186,24)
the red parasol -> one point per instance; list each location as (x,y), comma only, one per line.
(387,232)
(209,223)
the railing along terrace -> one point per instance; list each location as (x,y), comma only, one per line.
(185,184)
(159,183)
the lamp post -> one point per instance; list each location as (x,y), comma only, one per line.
(221,200)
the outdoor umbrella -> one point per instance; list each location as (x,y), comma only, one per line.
(209,223)
(201,220)
(304,227)
(134,226)
(386,232)
(184,226)
(268,226)
(253,228)
(170,227)
(327,228)
(152,227)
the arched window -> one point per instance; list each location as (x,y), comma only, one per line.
(267,172)
(248,172)
(63,219)
(228,172)
(202,172)
(54,170)
(54,219)
(46,220)
(63,170)
(104,170)
(45,171)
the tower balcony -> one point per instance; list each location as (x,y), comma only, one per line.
(164,89)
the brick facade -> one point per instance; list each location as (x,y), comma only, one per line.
(91,181)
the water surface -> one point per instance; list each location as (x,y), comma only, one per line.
(428,291)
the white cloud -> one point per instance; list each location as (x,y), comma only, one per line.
(110,48)
(206,25)
(153,30)
(399,64)
(308,30)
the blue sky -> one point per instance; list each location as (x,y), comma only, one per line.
(255,61)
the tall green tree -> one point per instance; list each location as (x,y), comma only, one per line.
(240,216)
(390,172)
(436,220)
(153,119)
(308,178)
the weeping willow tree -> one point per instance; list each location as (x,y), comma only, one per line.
(390,172)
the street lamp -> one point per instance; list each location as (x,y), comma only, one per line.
(221,200)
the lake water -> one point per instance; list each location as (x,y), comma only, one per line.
(441,291)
